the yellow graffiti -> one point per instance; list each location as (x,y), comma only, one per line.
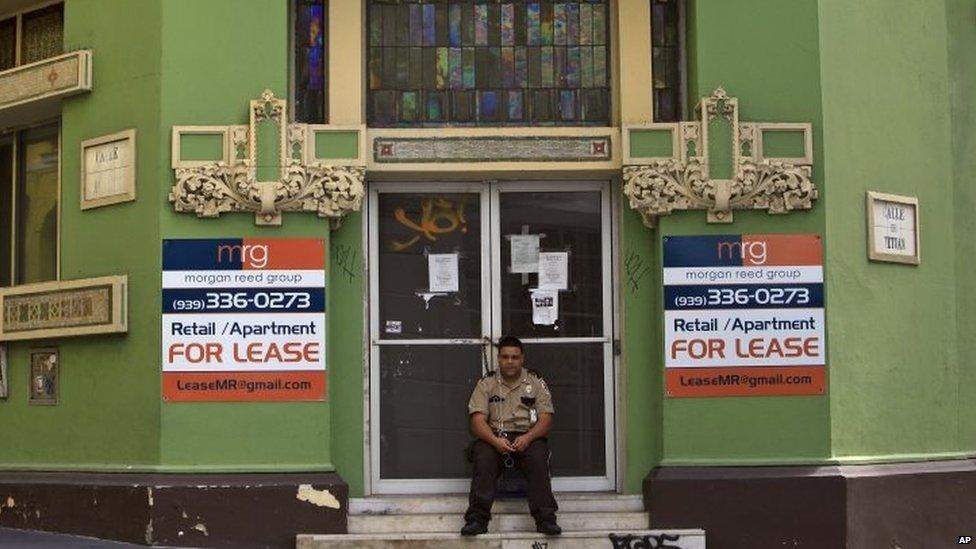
(438,216)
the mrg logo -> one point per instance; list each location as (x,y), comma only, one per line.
(750,252)
(251,255)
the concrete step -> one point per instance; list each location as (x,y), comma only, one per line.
(505,522)
(681,539)
(568,503)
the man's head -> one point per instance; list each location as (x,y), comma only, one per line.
(510,357)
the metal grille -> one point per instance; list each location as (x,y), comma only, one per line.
(42,35)
(8,43)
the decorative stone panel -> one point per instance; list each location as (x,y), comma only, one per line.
(679,179)
(64,308)
(59,76)
(491,149)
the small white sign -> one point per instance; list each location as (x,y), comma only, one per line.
(394,326)
(893,228)
(525,253)
(545,307)
(554,270)
(108,169)
(442,272)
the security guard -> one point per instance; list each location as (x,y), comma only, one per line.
(511,414)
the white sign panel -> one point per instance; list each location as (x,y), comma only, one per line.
(554,270)
(525,253)
(893,228)
(108,169)
(744,315)
(442,271)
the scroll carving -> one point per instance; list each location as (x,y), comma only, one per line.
(682,182)
(211,189)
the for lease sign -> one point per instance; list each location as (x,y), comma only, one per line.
(744,315)
(243,319)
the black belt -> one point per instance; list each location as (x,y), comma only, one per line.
(510,435)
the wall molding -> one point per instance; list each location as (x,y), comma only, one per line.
(230,184)
(680,180)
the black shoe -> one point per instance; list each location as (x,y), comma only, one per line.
(473,528)
(548,527)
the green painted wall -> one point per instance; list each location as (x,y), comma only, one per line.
(347,351)
(892,111)
(640,364)
(731,48)
(960,15)
(895,375)
(108,416)
(210,73)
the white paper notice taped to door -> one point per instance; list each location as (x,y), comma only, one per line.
(545,307)
(442,272)
(525,253)
(553,270)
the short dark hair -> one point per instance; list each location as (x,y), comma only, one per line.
(510,341)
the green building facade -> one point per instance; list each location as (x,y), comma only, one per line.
(887,88)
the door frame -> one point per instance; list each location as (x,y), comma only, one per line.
(489,192)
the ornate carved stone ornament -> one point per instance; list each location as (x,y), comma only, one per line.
(304,183)
(658,185)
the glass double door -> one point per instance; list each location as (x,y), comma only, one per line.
(453,267)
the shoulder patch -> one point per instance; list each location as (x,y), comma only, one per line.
(535,373)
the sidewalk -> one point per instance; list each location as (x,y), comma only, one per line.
(32,539)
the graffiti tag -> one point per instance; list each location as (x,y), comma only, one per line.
(630,541)
(345,259)
(438,216)
(636,269)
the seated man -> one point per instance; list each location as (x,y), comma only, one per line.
(511,414)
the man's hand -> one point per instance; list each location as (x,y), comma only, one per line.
(522,442)
(503,445)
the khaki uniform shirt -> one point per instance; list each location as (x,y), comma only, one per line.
(510,408)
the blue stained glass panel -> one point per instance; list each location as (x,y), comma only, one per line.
(454,34)
(488,105)
(567,105)
(309,79)
(533,27)
(515,105)
(430,30)
(457,69)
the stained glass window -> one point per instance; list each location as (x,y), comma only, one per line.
(666,59)
(42,34)
(488,62)
(310,61)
